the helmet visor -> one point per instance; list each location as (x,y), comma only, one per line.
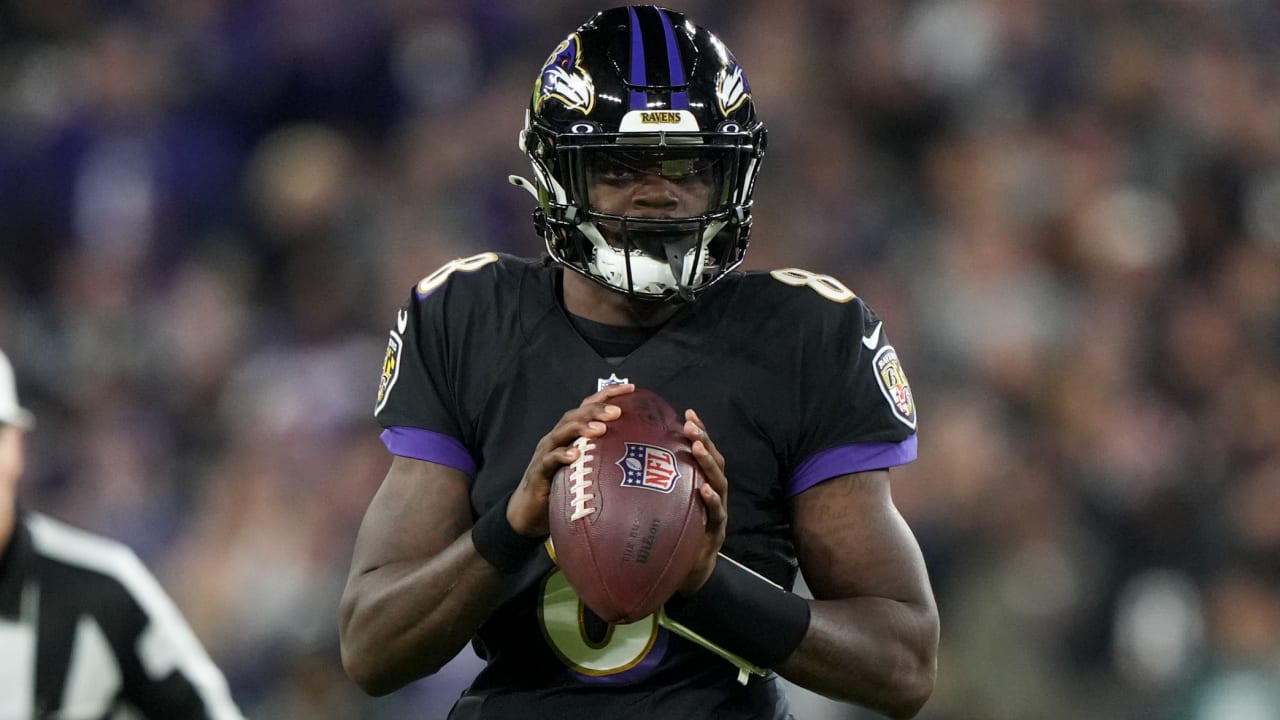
(674,183)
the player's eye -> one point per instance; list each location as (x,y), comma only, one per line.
(614,171)
(626,168)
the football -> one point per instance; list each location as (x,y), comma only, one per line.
(620,515)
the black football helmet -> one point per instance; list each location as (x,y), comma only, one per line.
(641,89)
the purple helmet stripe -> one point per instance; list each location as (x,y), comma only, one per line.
(638,78)
(679,100)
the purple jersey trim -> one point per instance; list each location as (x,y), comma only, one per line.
(850,459)
(430,446)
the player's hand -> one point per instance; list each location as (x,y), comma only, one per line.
(527,510)
(715,497)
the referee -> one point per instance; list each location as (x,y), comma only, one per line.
(86,632)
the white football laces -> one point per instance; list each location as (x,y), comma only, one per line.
(578,472)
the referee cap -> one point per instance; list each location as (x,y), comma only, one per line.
(11,413)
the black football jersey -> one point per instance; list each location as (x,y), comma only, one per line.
(794,377)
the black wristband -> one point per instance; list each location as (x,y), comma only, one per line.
(745,614)
(499,543)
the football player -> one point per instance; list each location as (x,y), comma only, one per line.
(645,144)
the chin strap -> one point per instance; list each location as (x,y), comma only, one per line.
(523,183)
(676,254)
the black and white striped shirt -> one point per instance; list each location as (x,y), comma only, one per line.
(87,633)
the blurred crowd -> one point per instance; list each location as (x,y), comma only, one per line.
(1068,214)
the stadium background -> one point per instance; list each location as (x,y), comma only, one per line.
(1067,212)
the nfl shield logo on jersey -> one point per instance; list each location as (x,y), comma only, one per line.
(649,467)
(613,379)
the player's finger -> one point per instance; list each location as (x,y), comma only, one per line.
(607,392)
(713,498)
(585,431)
(555,449)
(696,431)
(712,470)
(596,408)
(586,421)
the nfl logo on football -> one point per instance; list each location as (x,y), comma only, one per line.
(649,467)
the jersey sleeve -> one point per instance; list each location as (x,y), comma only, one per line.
(417,401)
(858,409)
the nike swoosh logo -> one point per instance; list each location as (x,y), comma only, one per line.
(872,340)
(402,321)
